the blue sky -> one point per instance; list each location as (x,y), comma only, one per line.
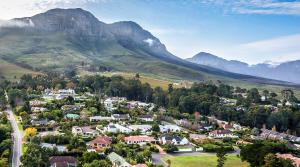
(249,30)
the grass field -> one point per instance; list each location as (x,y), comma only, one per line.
(204,161)
(13,72)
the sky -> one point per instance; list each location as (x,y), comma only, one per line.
(253,31)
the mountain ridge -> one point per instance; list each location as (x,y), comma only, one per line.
(286,71)
(58,38)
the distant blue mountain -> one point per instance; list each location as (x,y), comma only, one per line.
(287,71)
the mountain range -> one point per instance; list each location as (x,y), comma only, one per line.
(61,38)
(287,71)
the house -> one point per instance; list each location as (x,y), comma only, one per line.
(63,161)
(111,103)
(37,103)
(228,127)
(70,108)
(72,116)
(169,128)
(116,128)
(60,148)
(120,117)
(293,159)
(141,105)
(143,129)
(100,142)
(141,140)
(146,118)
(58,95)
(38,109)
(198,137)
(100,118)
(173,139)
(221,134)
(273,135)
(117,160)
(41,122)
(85,131)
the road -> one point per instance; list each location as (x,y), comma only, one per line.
(17,138)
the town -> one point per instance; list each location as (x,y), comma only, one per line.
(102,121)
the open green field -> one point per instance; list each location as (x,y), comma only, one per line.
(13,72)
(204,161)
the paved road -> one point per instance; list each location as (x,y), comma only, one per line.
(17,139)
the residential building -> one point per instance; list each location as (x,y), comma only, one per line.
(60,148)
(120,117)
(169,128)
(146,118)
(111,103)
(117,160)
(173,139)
(100,118)
(294,160)
(85,131)
(63,161)
(143,129)
(141,140)
(198,137)
(37,103)
(221,134)
(100,142)
(116,128)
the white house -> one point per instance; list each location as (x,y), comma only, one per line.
(144,129)
(117,160)
(111,103)
(100,118)
(146,118)
(169,128)
(221,134)
(116,128)
(176,140)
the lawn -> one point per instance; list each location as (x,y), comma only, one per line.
(19,123)
(13,72)
(204,161)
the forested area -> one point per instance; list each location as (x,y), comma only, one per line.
(201,97)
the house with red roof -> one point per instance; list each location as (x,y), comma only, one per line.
(63,161)
(100,142)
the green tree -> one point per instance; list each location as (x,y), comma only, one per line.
(35,156)
(221,154)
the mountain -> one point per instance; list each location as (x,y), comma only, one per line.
(63,38)
(288,71)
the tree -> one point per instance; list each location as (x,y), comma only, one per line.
(97,163)
(169,162)
(30,132)
(155,128)
(35,155)
(221,154)
(271,160)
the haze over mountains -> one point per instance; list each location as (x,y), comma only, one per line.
(287,71)
(60,38)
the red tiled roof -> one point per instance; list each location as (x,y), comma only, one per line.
(139,138)
(140,165)
(103,140)
(61,160)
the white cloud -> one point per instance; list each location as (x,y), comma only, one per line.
(21,8)
(280,49)
(277,7)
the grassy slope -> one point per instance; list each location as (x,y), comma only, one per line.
(57,51)
(204,161)
(13,72)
